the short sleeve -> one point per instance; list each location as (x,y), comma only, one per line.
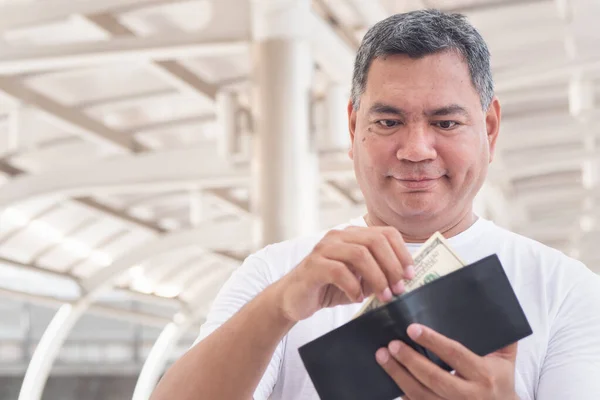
(571,368)
(252,277)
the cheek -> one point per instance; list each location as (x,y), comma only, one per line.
(375,152)
(464,159)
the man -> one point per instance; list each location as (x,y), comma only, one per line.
(424,123)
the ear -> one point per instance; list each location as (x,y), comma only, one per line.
(492,122)
(351,127)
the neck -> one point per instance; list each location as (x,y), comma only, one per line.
(420,230)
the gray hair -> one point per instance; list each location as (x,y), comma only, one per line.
(420,33)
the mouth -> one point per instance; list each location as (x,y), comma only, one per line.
(417,183)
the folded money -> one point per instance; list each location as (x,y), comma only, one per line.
(434,259)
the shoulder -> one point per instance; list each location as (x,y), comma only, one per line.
(533,256)
(544,271)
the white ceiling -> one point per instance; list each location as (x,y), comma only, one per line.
(84,84)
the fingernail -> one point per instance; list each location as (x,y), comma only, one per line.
(409,272)
(414,331)
(394,346)
(386,295)
(398,287)
(382,356)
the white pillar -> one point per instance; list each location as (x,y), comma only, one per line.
(336,136)
(226,107)
(284,162)
(196,207)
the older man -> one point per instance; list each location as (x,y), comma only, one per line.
(424,123)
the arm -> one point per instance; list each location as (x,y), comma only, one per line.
(571,368)
(237,348)
(230,362)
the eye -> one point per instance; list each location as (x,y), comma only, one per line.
(446,124)
(388,123)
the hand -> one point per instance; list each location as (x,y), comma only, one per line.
(344,267)
(490,377)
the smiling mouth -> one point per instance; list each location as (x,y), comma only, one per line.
(417,183)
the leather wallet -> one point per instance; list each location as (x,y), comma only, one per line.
(474,305)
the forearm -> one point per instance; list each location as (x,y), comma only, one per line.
(230,362)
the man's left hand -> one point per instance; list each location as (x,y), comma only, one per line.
(490,377)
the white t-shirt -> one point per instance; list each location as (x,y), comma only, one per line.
(560,297)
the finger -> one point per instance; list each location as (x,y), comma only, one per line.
(462,360)
(430,375)
(405,381)
(337,274)
(362,262)
(379,245)
(399,247)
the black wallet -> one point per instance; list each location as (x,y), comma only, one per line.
(474,305)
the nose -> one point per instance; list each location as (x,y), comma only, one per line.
(416,145)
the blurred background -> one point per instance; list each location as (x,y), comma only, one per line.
(148,146)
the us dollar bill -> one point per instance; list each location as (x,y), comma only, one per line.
(434,259)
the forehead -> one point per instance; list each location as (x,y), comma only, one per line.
(443,77)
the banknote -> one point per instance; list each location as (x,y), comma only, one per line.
(434,259)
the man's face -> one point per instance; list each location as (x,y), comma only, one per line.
(421,142)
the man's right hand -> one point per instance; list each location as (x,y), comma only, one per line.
(345,267)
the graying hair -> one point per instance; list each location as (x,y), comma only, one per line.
(421,33)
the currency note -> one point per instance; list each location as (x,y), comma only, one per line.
(434,259)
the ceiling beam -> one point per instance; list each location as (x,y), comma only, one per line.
(20,59)
(146,172)
(371,12)
(94,205)
(25,14)
(96,309)
(544,73)
(330,51)
(174,123)
(345,33)
(171,71)
(71,120)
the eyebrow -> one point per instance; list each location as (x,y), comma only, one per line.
(382,108)
(452,109)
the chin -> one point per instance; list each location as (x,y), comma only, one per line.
(416,208)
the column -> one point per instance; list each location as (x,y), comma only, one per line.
(336,137)
(284,161)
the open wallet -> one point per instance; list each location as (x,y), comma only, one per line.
(474,305)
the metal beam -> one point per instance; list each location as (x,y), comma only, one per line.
(86,223)
(120,50)
(96,309)
(221,235)
(68,315)
(371,12)
(24,14)
(330,51)
(345,33)
(530,76)
(126,101)
(172,72)
(169,337)
(71,120)
(151,172)
(551,162)
(158,126)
